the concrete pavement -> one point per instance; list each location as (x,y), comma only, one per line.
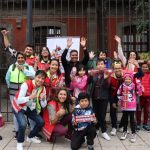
(142,142)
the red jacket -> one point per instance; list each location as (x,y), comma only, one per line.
(30,60)
(31,87)
(43,66)
(48,127)
(146,84)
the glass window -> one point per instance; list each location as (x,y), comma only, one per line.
(41,33)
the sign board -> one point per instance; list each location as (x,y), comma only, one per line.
(61,42)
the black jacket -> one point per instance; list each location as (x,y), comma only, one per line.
(68,65)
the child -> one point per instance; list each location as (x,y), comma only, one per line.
(99,93)
(144,99)
(57,115)
(127,97)
(83,119)
(79,81)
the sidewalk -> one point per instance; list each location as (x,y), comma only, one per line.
(142,143)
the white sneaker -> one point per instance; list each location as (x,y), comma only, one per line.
(33,140)
(106,136)
(133,138)
(19,146)
(113,131)
(124,136)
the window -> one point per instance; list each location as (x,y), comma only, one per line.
(41,33)
(134,41)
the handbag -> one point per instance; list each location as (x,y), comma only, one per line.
(1,120)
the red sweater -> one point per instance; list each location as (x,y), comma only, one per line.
(146,84)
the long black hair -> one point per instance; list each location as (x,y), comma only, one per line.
(58,71)
(49,54)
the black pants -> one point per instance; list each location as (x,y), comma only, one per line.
(130,114)
(100,109)
(121,121)
(113,116)
(78,137)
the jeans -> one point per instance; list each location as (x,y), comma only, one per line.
(22,123)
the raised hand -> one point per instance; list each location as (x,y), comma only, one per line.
(83,41)
(118,39)
(69,42)
(115,55)
(4,32)
(91,55)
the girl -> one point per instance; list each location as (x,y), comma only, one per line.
(57,115)
(55,79)
(79,81)
(127,96)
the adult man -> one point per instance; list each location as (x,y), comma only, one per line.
(115,81)
(72,65)
(28,51)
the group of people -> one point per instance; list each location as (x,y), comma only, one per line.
(74,103)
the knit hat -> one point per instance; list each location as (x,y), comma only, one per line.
(128,74)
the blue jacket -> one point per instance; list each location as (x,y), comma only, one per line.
(81,118)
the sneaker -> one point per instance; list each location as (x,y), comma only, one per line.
(90,147)
(138,127)
(39,136)
(33,140)
(124,135)
(120,129)
(19,146)
(106,136)
(113,131)
(146,127)
(133,138)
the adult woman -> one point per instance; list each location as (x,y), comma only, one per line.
(55,78)
(18,73)
(57,115)
(131,61)
(44,60)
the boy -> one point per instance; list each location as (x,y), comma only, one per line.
(83,119)
(99,94)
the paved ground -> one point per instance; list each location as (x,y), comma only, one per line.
(142,143)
